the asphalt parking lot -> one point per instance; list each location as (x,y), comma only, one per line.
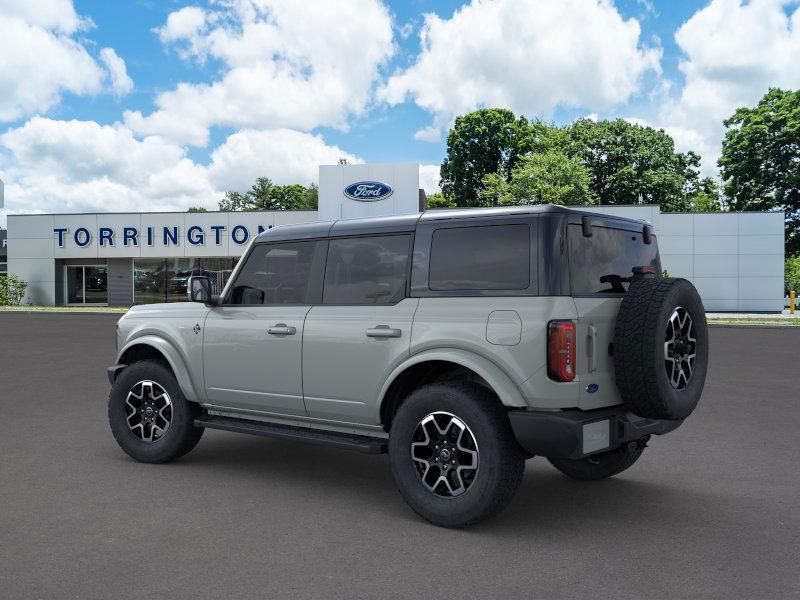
(710,511)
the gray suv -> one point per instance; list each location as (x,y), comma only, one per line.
(461,342)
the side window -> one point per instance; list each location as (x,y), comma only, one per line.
(366,270)
(490,257)
(275,274)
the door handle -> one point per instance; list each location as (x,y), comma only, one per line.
(592,367)
(383,331)
(282,329)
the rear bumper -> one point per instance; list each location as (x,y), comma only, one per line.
(578,433)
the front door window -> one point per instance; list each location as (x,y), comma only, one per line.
(87,284)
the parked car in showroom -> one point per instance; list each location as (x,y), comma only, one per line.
(461,342)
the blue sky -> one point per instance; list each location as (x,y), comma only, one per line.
(146,105)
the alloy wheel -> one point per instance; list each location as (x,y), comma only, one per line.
(445,454)
(680,348)
(148,411)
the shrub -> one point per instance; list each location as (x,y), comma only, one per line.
(792,274)
(12,290)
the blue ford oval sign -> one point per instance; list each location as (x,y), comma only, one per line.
(368,191)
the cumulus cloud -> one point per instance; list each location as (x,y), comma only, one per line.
(733,52)
(285,155)
(121,83)
(528,55)
(71,166)
(429,178)
(41,57)
(285,66)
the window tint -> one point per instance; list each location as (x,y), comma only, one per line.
(368,270)
(604,263)
(493,257)
(275,274)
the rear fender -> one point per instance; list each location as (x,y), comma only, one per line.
(500,383)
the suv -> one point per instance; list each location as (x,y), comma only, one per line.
(461,342)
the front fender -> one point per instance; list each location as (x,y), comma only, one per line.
(177,361)
(497,379)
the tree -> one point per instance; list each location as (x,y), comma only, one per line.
(197,209)
(485,141)
(760,162)
(792,274)
(706,196)
(548,178)
(265,195)
(288,197)
(626,160)
(439,200)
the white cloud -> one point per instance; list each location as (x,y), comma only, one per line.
(283,155)
(183,24)
(41,58)
(121,83)
(72,166)
(734,51)
(528,55)
(429,178)
(287,64)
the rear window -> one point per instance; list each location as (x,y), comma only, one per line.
(603,263)
(493,257)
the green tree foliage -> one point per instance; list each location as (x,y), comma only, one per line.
(12,290)
(548,178)
(265,195)
(482,142)
(197,209)
(760,162)
(706,196)
(792,274)
(439,200)
(626,161)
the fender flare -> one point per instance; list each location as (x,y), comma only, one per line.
(498,380)
(176,360)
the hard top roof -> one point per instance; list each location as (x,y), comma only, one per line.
(407,223)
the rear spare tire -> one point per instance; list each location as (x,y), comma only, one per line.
(661,348)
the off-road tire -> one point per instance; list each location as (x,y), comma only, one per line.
(501,463)
(639,347)
(180,437)
(599,466)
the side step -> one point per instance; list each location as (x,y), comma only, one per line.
(348,441)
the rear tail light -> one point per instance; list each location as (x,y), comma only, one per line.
(561,350)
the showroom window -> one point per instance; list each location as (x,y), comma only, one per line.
(87,284)
(165,280)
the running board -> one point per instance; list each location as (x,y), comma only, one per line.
(348,441)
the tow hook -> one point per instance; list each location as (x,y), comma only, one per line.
(636,445)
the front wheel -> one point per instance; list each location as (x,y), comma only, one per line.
(453,455)
(600,466)
(149,417)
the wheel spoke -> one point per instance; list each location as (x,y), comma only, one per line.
(148,410)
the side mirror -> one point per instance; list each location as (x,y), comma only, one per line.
(199,289)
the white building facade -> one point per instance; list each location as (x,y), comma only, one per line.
(734,259)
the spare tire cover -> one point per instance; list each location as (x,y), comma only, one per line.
(661,348)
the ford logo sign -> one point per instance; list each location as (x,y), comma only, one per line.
(368,191)
(592,388)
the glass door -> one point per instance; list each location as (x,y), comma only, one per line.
(87,284)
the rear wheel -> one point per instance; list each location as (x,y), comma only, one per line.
(149,417)
(453,455)
(600,466)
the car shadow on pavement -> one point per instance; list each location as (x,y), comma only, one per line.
(547,502)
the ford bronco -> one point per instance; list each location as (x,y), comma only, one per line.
(461,342)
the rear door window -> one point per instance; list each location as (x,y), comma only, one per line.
(604,262)
(489,257)
(366,270)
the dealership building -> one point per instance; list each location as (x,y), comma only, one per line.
(735,260)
